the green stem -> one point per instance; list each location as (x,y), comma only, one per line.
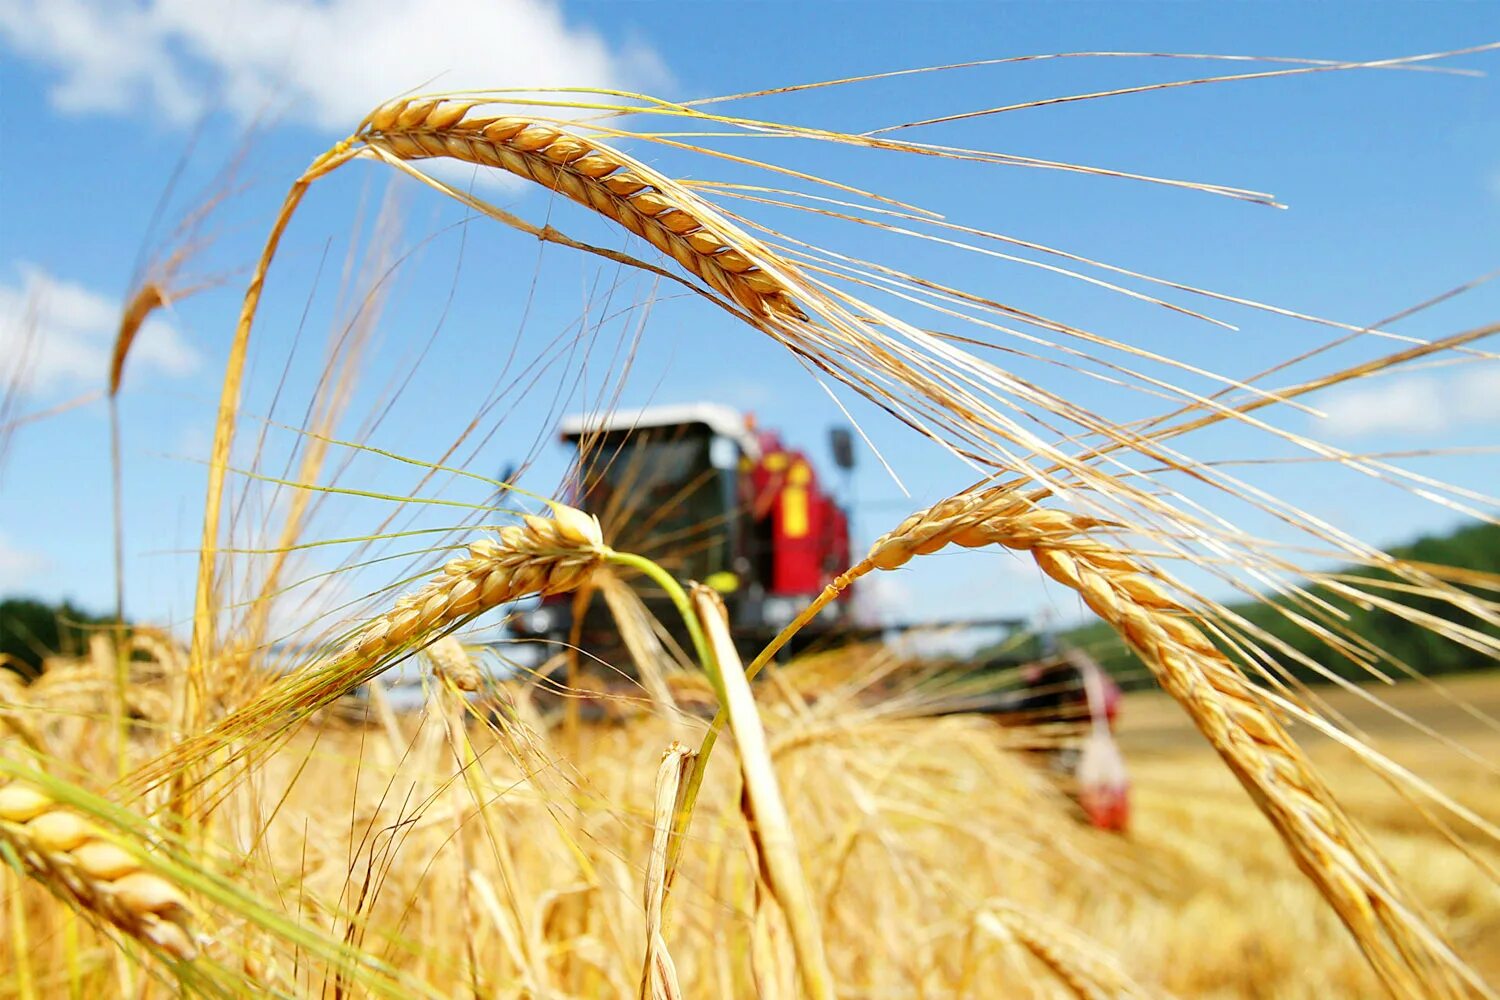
(679,597)
(710,664)
(700,761)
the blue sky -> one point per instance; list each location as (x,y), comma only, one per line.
(1392,181)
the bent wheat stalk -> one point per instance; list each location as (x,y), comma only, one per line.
(770,826)
(645,203)
(1405,951)
(77,862)
(658,973)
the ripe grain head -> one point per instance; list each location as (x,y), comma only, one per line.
(1329,847)
(95,872)
(647,204)
(538,556)
(451,664)
(1089,972)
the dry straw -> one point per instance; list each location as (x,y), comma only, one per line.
(75,860)
(658,973)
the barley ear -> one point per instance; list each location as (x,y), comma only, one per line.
(1402,947)
(1087,970)
(81,864)
(659,210)
(451,664)
(539,556)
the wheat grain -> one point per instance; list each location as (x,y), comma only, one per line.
(606,180)
(451,664)
(60,849)
(540,556)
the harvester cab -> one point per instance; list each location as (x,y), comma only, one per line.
(701,490)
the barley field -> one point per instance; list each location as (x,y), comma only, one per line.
(1210,851)
(228,796)
(459,854)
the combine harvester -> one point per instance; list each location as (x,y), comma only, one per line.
(703,491)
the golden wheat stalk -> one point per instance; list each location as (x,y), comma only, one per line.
(1405,951)
(76,861)
(770,826)
(540,556)
(658,972)
(597,176)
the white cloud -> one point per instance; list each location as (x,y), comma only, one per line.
(1415,404)
(324,64)
(62,334)
(18,567)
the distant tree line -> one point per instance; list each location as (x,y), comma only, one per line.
(1473,547)
(31,630)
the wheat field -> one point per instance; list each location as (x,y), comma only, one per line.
(231,805)
(946,848)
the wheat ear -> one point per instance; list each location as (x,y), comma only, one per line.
(14,700)
(646,203)
(452,664)
(538,556)
(1088,971)
(68,855)
(1408,955)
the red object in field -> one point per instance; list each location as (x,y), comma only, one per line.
(809,531)
(1111,700)
(1103,783)
(1103,786)
(727,502)
(1107,811)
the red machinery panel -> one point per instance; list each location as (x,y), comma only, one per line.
(809,533)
